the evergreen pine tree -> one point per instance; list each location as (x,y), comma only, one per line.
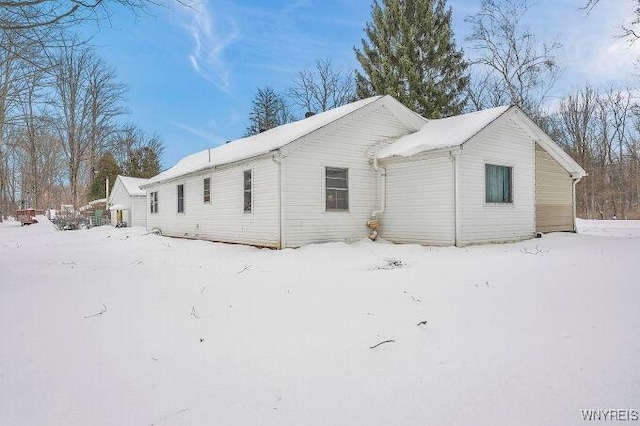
(107,167)
(411,55)
(269,110)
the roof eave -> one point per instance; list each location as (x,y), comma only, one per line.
(557,153)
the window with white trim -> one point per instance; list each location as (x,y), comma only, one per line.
(248,186)
(336,189)
(498,184)
(153,202)
(181,198)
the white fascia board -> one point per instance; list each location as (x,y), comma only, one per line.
(424,155)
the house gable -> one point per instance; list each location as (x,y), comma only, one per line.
(345,145)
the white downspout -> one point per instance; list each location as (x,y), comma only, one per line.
(278,159)
(575,182)
(373,223)
(456,219)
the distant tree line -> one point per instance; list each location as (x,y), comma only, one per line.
(62,109)
(409,52)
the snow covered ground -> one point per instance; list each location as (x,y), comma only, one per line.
(117,327)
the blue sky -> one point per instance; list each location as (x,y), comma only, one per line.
(192,73)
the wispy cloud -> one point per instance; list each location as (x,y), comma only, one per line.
(204,134)
(211,36)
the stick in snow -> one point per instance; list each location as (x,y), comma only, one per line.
(422,323)
(193,312)
(381,343)
(246,267)
(102,311)
(170,416)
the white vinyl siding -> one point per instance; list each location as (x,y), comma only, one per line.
(349,145)
(224,220)
(419,206)
(138,211)
(118,195)
(505,144)
(135,213)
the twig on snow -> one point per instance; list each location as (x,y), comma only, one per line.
(169,416)
(421,323)
(537,251)
(102,311)
(193,312)
(381,343)
(246,267)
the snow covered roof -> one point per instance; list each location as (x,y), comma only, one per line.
(132,185)
(262,143)
(442,133)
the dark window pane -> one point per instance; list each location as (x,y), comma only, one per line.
(247,191)
(180,198)
(331,199)
(337,189)
(336,183)
(342,200)
(207,190)
(336,173)
(247,201)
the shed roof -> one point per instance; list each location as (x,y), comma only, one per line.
(442,133)
(261,143)
(132,185)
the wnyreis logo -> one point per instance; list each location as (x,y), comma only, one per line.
(610,415)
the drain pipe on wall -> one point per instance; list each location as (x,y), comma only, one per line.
(373,223)
(575,182)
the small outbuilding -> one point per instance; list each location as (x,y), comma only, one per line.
(372,168)
(128,202)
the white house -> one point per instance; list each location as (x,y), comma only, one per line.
(372,167)
(128,202)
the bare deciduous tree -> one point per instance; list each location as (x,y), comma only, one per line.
(630,30)
(86,99)
(137,153)
(509,66)
(31,14)
(17,56)
(601,130)
(322,88)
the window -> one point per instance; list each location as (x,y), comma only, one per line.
(153,197)
(207,190)
(337,189)
(498,184)
(180,198)
(248,175)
